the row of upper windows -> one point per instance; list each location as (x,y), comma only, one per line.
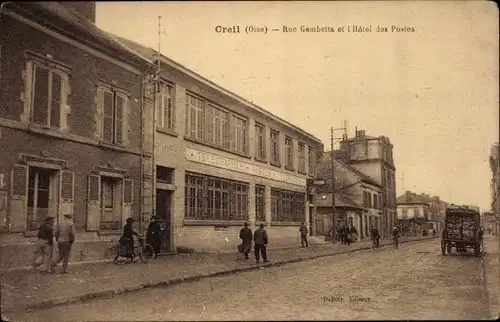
(212,124)
(47,95)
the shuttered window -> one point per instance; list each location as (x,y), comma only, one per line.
(19,180)
(67,185)
(113,107)
(46,95)
(128,191)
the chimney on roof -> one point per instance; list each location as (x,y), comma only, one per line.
(86,9)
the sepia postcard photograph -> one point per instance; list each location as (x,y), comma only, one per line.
(249,160)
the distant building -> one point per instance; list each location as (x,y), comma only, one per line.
(373,156)
(413,213)
(359,198)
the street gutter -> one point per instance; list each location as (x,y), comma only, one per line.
(106,294)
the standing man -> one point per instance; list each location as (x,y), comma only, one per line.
(65,237)
(44,245)
(303,235)
(246,239)
(260,239)
(153,236)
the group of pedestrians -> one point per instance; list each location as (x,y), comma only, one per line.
(44,246)
(260,241)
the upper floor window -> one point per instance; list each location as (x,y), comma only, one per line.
(165,111)
(195,122)
(311,160)
(302,158)
(217,126)
(112,104)
(289,153)
(48,87)
(240,134)
(260,142)
(275,147)
(208,123)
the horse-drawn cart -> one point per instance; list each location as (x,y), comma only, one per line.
(461,231)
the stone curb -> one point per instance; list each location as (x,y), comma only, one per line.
(104,294)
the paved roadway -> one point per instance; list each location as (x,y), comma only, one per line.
(412,282)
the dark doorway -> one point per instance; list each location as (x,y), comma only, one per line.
(164,214)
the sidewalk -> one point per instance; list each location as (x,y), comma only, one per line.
(29,290)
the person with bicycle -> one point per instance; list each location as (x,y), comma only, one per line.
(395,236)
(127,238)
(375,236)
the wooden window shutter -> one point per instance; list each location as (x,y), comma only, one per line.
(128,191)
(40,95)
(67,185)
(107,126)
(210,124)
(119,113)
(19,180)
(18,203)
(94,203)
(67,193)
(55,102)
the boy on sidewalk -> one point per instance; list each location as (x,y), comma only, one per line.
(65,236)
(260,239)
(44,245)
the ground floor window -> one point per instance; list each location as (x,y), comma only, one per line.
(110,204)
(287,206)
(260,202)
(212,198)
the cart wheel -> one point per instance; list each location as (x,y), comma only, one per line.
(443,248)
(477,250)
(448,248)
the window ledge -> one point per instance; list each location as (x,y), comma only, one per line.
(302,172)
(45,130)
(109,232)
(275,164)
(289,168)
(218,223)
(260,160)
(285,223)
(214,146)
(112,146)
(167,131)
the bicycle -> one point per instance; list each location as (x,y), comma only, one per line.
(141,249)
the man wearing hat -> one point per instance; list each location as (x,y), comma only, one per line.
(65,236)
(44,245)
(153,236)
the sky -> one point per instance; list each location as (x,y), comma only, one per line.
(434,92)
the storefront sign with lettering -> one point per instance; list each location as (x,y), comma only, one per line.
(243,167)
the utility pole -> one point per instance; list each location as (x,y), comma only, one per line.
(333,185)
(156,105)
(332,138)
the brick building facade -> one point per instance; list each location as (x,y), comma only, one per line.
(221,160)
(70,142)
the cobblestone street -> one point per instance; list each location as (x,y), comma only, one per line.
(413,282)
